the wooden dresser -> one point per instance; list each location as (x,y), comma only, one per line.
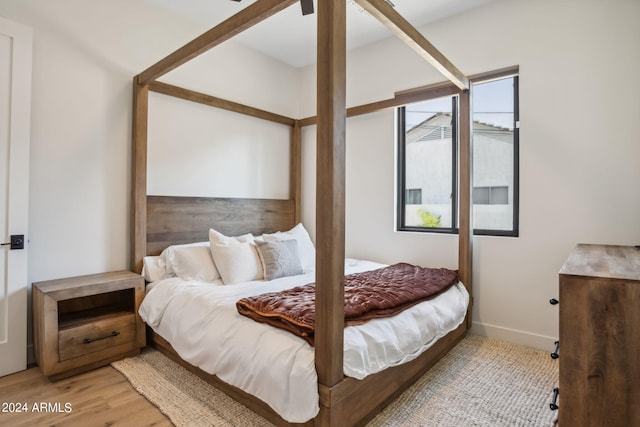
(84,322)
(600,337)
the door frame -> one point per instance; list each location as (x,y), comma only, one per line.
(13,352)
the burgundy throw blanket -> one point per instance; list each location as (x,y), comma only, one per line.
(377,293)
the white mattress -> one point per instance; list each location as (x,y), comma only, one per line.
(201,322)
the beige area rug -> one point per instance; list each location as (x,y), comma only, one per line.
(481,382)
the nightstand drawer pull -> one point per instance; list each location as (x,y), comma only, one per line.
(554,403)
(90,340)
(554,301)
(91,337)
(554,354)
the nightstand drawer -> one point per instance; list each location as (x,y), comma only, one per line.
(98,335)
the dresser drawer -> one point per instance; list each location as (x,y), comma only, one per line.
(98,335)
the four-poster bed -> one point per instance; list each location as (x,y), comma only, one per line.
(161,221)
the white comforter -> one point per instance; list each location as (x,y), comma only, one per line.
(202,324)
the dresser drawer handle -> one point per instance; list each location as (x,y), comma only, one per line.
(90,340)
(554,354)
(553,405)
(553,301)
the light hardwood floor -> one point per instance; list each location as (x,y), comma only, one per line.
(102,397)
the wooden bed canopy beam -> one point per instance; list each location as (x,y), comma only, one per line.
(399,100)
(212,101)
(246,18)
(384,12)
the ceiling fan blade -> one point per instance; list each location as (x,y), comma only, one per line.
(307,6)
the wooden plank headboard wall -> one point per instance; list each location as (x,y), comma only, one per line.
(174,220)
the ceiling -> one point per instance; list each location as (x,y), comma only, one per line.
(290,37)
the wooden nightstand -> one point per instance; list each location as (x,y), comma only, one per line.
(81,323)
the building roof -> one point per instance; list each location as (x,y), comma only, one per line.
(438,127)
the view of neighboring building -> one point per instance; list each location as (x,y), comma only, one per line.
(429,166)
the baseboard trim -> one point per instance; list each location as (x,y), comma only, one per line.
(528,339)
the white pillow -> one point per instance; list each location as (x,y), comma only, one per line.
(306,250)
(246,265)
(191,261)
(153,268)
(237,262)
(216,237)
(194,263)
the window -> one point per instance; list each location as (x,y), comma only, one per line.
(427,161)
(491,195)
(414,196)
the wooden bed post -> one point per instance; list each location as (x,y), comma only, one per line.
(465,244)
(295,170)
(330,200)
(139,174)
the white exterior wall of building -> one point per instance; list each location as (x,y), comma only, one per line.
(428,168)
(493,167)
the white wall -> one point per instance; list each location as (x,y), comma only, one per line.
(579,149)
(85,56)
(236,156)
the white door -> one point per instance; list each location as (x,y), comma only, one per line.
(15,112)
